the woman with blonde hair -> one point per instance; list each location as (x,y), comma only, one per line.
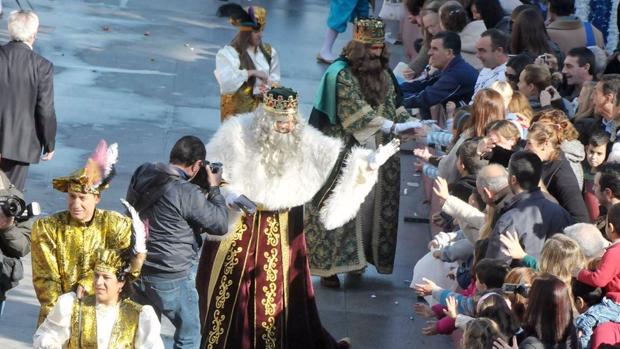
(480,334)
(533,80)
(520,112)
(544,139)
(560,256)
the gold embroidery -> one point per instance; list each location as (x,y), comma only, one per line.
(217,324)
(271,269)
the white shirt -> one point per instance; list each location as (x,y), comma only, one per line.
(230,76)
(487,77)
(55,331)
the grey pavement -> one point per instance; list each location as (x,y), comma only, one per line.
(140,73)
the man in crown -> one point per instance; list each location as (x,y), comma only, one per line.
(246,67)
(254,284)
(64,244)
(359,103)
(107,319)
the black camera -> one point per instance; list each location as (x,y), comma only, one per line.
(14,206)
(521,289)
(201,178)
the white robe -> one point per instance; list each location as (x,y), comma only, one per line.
(230,76)
(55,331)
(235,147)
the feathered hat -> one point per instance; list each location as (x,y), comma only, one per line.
(95,176)
(247,19)
(369,31)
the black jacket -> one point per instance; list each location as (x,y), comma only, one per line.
(533,217)
(14,244)
(27,116)
(177,212)
(560,180)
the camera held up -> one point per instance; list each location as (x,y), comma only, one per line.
(201,178)
(13,205)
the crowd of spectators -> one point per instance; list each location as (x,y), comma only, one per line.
(523,174)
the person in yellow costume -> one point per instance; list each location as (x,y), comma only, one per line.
(104,320)
(64,244)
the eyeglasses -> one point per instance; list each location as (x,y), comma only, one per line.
(512,77)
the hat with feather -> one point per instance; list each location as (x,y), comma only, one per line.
(95,176)
(247,19)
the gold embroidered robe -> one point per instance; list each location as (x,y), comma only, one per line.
(63,252)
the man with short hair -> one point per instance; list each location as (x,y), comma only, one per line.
(579,68)
(64,244)
(529,213)
(27,116)
(568,30)
(492,51)
(454,82)
(178,211)
(604,99)
(607,184)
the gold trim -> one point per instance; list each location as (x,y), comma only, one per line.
(286,260)
(271,269)
(356,116)
(230,262)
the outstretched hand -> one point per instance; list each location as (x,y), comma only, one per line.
(138,229)
(511,246)
(383,153)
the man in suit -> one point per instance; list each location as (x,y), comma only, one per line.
(27,116)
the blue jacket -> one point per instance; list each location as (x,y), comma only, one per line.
(455,83)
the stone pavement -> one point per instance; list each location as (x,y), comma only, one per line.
(140,73)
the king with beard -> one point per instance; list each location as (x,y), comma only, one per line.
(255,288)
(359,103)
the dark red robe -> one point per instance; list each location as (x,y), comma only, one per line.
(255,287)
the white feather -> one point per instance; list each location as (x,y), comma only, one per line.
(111,159)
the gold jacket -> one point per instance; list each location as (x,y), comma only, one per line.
(84,325)
(63,252)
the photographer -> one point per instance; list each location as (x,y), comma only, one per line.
(14,240)
(177,211)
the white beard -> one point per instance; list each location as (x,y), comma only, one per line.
(286,178)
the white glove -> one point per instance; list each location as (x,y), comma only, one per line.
(383,153)
(387,126)
(403,126)
(230,200)
(138,229)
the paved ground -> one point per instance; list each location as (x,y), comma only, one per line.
(140,73)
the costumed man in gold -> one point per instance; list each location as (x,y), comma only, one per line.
(254,286)
(246,67)
(64,244)
(107,319)
(359,103)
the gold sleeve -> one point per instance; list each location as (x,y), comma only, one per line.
(45,272)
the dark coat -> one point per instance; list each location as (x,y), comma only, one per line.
(455,83)
(560,180)
(27,116)
(533,217)
(177,212)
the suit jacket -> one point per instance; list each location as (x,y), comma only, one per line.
(27,116)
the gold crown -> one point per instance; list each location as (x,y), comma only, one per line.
(369,31)
(275,101)
(260,19)
(109,261)
(260,14)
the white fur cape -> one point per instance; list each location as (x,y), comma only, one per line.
(234,145)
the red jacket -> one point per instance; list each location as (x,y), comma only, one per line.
(607,275)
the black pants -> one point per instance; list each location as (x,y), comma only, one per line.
(16,171)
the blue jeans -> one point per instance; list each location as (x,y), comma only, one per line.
(177,299)
(606,311)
